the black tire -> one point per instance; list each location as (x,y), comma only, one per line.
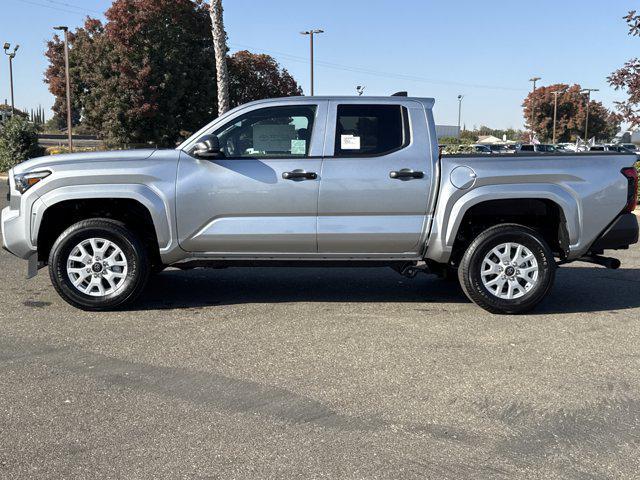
(137,258)
(469,272)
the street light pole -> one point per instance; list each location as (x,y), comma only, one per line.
(586,121)
(11,56)
(460,97)
(311,33)
(533,104)
(66,72)
(555,112)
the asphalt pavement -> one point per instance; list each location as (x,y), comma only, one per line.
(309,373)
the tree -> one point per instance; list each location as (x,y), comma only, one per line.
(55,77)
(144,75)
(220,47)
(147,75)
(571,116)
(18,142)
(627,78)
(258,76)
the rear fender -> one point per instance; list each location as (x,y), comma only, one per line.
(449,216)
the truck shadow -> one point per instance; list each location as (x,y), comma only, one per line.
(577,289)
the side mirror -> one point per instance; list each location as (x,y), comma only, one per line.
(207,147)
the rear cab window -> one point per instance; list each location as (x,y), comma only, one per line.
(370,130)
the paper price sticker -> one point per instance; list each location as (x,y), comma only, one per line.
(298,147)
(349,142)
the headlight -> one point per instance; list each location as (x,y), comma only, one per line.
(25,181)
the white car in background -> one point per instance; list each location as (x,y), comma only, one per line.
(566,147)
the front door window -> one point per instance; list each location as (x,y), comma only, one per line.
(275,132)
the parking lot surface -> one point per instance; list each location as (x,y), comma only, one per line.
(308,373)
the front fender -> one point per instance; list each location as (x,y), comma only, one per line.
(160,208)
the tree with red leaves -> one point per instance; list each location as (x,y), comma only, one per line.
(627,78)
(144,75)
(148,74)
(571,117)
(255,76)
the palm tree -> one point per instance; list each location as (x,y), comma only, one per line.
(220,49)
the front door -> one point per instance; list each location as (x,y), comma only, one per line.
(261,196)
(376,179)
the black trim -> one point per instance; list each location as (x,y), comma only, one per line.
(619,235)
(302,263)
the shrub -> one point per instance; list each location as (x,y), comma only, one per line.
(18,142)
(62,149)
(449,141)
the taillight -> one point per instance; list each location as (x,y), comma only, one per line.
(632,193)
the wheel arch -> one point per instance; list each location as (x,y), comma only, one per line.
(520,199)
(137,206)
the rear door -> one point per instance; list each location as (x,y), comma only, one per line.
(376,178)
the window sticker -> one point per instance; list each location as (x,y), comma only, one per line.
(349,142)
(298,147)
(273,138)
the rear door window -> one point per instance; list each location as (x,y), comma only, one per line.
(370,130)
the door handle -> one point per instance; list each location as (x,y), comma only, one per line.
(405,174)
(299,174)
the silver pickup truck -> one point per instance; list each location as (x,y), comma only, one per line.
(311,181)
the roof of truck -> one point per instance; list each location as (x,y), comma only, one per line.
(351,98)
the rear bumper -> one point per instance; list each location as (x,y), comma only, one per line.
(619,235)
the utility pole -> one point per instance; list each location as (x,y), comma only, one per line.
(555,112)
(66,72)
(11,56)
(533,104)
(586,122)
(311,33)
(460,97)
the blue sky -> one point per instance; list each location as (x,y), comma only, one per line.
(484,50)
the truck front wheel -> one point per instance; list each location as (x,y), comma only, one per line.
(98,264)
(508,268)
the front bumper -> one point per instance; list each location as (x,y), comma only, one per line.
(15,234)
(619,235)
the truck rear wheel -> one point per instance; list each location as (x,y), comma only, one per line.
(508,268)
(98,264)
